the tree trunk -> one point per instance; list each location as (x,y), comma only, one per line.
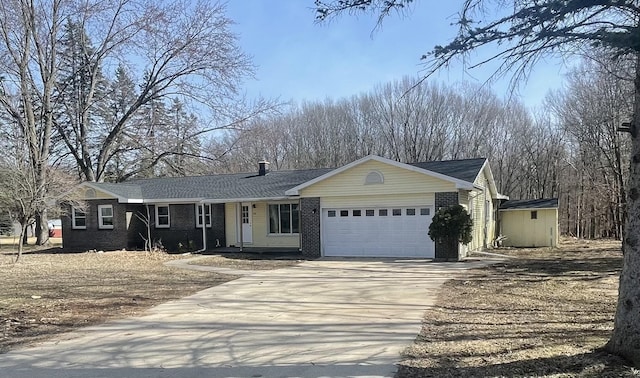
(23,233)
(625,340)
(42,229)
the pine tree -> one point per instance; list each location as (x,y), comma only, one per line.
(79,92)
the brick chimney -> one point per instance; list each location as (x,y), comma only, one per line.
(263,167)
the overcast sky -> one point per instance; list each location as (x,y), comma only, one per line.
(298,59)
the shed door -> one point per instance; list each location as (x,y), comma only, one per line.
(377,232)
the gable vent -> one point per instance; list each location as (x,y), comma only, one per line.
(374,177)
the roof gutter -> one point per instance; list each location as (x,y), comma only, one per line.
(255,199)
(528,208)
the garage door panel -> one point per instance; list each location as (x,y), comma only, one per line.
(404,234)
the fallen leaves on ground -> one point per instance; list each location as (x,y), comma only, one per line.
(249,261)
(49,292)
(542,313)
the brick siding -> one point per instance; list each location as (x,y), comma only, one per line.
(129,228)
(310,223)
(92,237)
(446,199)
(217,230)
(446,251)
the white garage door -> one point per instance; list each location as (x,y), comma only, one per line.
(377,232)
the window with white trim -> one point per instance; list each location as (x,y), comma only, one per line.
(105,217)
(162,216)
(78,219)
(207,215)
(284,218)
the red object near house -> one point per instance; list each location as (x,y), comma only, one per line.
(55,228)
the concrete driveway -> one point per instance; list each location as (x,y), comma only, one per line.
(325,318)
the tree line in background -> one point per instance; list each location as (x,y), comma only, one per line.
(568,148)
(99,93)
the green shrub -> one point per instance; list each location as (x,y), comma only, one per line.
(451,223)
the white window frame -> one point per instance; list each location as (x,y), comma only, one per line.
(207,213)
(168,216)
(290,204)
(101,217)
(74,217)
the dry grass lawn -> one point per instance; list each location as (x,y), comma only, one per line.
(47,293)
(11,242)
(543,313)
(249,261)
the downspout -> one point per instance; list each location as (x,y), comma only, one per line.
(204,229)
(486,219)
(239,223)
(300,212)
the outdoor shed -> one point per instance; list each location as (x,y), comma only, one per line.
(529,223)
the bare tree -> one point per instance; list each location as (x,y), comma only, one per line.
(28,37)
(19,193)
(184,50)
(18,198)
(596,101)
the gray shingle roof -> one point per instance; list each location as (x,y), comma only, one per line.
(544,203)
(125,190)
(251,185)
(465,169)
(216,187)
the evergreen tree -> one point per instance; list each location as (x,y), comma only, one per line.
(80,89)
(121,94)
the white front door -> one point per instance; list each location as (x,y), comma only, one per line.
(245,218)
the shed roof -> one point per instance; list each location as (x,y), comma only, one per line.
(543,203)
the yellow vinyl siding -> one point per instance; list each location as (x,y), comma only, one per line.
(261,236)
(476,210)
(486,221)
(230,223)
(522,231)
(480,205)
(396,181)
(463,198)
(426,199)
(260,228)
